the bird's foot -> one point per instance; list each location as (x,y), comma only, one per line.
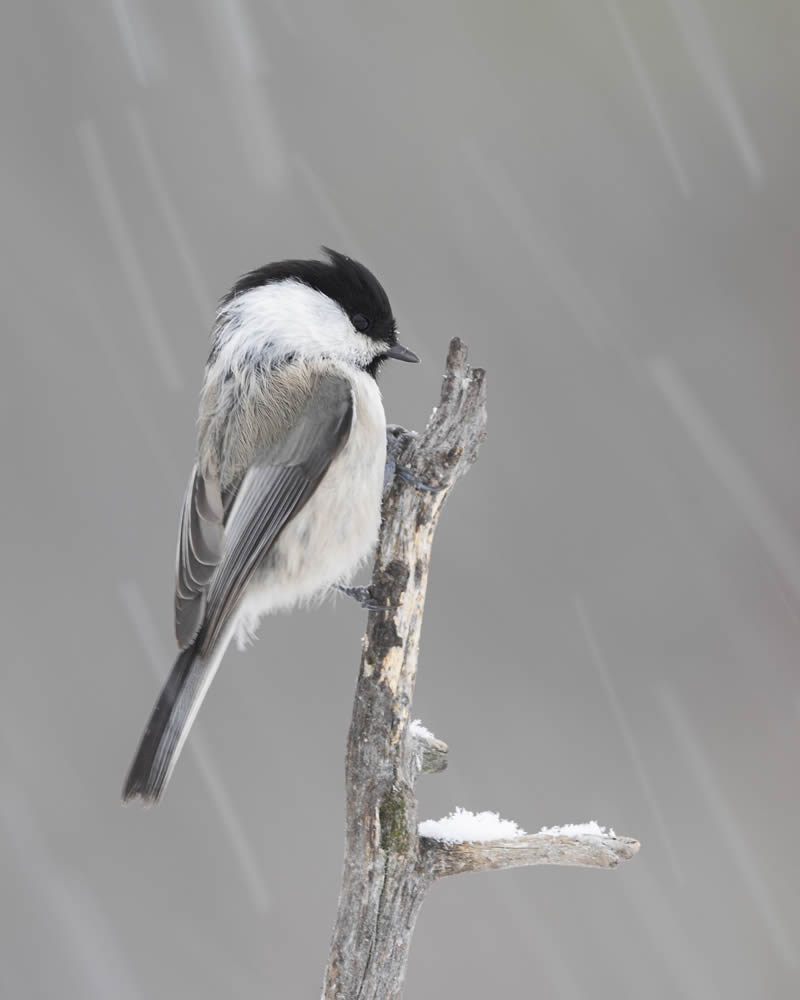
(365,598)
(396,439)
(419,484)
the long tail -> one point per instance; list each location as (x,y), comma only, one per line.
(170,723)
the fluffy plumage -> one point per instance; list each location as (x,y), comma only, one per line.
(284,500)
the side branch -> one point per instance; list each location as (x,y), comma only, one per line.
(533,849)
(429,754)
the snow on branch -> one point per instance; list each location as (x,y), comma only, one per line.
(470,842)
(462,826)
(582,847)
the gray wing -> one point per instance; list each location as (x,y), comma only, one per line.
(275,487)
(200,541)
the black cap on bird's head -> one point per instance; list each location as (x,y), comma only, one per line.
(351,285)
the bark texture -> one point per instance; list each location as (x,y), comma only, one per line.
(585,851)
(388,868)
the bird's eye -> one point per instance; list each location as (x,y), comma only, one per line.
(360,322)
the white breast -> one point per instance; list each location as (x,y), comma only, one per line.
(337,529)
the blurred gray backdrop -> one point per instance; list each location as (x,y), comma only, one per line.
(601,198)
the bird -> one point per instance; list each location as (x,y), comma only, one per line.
(283,501)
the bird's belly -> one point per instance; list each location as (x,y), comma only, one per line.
(330,538)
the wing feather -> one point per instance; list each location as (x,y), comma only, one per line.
(200,544)
(274,489)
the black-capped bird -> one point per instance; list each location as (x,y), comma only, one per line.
(284,500)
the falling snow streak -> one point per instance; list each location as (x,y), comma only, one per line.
(570,290)
(169,214)
(250,56)
(684,958)
(651,100)
(626,732)
(730,831)
(243,82)
(137,40)
(730,471)
(251,872)
(130,263)
(80,932)
(129,391)
(333,217)
(703,52)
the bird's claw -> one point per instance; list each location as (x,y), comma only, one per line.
(415,481)
(396,439)
(365,598)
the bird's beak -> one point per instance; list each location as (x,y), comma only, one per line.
(400,353)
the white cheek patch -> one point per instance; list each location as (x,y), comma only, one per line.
(288,317)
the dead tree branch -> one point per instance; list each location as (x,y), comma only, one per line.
(388,867)
(533,849)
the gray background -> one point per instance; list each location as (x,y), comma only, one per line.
(601,199)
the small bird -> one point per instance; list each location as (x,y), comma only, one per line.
(284,499)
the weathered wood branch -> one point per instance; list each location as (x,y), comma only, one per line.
(388,867)
(532,849)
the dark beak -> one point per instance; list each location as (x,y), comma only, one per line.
(400,353)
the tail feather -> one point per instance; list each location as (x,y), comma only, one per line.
(169,723)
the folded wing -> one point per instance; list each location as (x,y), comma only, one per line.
(215,563)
